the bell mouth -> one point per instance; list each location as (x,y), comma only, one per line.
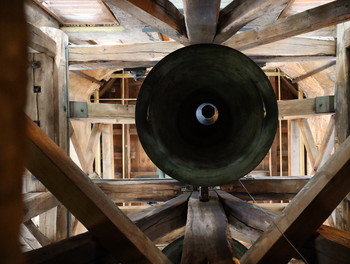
(206,115)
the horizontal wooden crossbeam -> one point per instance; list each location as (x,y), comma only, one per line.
(262,188)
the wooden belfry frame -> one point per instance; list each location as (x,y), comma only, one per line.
(109,230)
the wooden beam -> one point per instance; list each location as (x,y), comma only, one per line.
(201,18)
(207,237)
(92,144)
(148,54)
(77,249)
(247,221)
(36,16)
(157,221)
(342,115)
(313,72)
(13,80)
(41,42)
(325,142)
(239,13)
(307,211)
(107,152)
(139,190)
(330,245)
(109,226)
(308,140)
(263,188)
(88,77)
(40,237)
(309,20)
(106,87)
(37,203)
(110,113)
(160,15)
(300,108)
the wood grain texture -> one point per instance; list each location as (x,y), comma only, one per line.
(157,221)
(159,14)
(342,115)
(309,20)
(38,203)
(307,211)
(207,237)
(41,42)
(239,13)
(201,18)
(109,226)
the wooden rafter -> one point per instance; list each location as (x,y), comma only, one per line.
(313,72)
(201,18)
(160,15)
(310,20)
(109,226)
(239,13)
(307,211)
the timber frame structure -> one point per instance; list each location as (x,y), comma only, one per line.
(75,185)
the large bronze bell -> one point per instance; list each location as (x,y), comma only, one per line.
(206,115)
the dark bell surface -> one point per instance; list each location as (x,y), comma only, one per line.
(234,128)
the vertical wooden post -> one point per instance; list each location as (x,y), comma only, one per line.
(107,151)
(342,112)
(13,63)
(61,126)
(294,149)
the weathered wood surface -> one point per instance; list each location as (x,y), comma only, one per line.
(309,20)
(36,16)
(201,18)
(307,211)
(109,226)
(161,15)
(262,188)
(239,13)
(41,42)
(140,190)
(247,221)
(207,236)
(313,72)
(157,221)
(147,54)
(38,203)
(342,115)
(299,108)
(40,237)
(13,63)
(107,152)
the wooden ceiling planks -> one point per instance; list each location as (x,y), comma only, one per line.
(201,18)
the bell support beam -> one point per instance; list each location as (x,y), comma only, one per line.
(207,235)
(239,13)
(160,15)
(201,18)
(262,188)
(108,225)
(307,211)
(309,20)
